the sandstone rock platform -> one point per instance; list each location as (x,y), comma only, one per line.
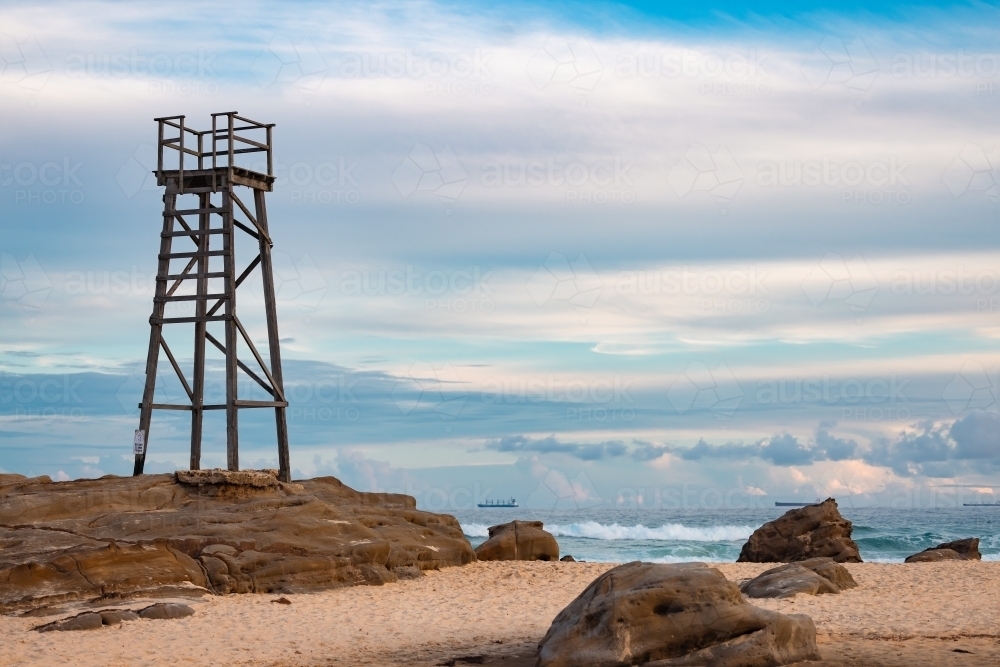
(201,532)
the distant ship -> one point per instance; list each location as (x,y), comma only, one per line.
(499,503)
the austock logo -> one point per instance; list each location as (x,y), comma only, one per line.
(702,170)
(299,283)
(838,280)
(558,492)
(137,173)
(703,388)
(974,170)
(974,387)
(424,170)
(23,63)
(23,283)
(426,387)
(559,279)
(288,62)
(846,64)
(569,62)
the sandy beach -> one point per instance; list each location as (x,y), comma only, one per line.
(495,612)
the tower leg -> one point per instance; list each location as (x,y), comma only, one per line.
(232,418)
(155,330)
(198,400)
(271,312)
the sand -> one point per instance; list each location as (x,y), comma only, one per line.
(494,614)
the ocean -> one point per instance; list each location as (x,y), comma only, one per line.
(671,536)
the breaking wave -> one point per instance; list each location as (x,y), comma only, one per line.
(674,532)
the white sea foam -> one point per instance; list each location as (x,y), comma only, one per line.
(675,532)
(475,529)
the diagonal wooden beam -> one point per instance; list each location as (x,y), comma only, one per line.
(246,229)
(243,276)
(246,211)
(243,366)
(184,224)
(260,230)
(177,369)
(277,394)
(187,270)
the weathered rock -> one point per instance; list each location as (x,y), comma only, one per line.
(967,549)
(408,572)
(933,556)
(518,540)
(815,576)
(208,532)
(787,581)
(116,616)
(831,570)
(165,610)
(567,559)
(807,532)
(87,621)
(671,615)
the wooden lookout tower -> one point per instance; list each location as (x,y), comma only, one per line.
(205,188)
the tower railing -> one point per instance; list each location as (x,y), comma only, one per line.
(231,135)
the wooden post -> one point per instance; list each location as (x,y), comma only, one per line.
(228,245)
(155,329)
(201,307)
(271,313)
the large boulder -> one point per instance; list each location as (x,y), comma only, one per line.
(208,532)
(967,549)
(807,532)
(815,576)
(519,540)
(671,615)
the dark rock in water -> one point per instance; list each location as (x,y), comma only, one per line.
(211,531)
(165,610)
(568,559)
(665,615)
(519,540)
(967,549)
(87,621)
(116,616)
(807,532)
(815,576)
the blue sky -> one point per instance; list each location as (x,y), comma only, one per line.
(581,252)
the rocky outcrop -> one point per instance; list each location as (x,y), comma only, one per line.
(812,531)
(208,532)
(815,576)
(671,615)
(967,549)
(92,620)
(519,540)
